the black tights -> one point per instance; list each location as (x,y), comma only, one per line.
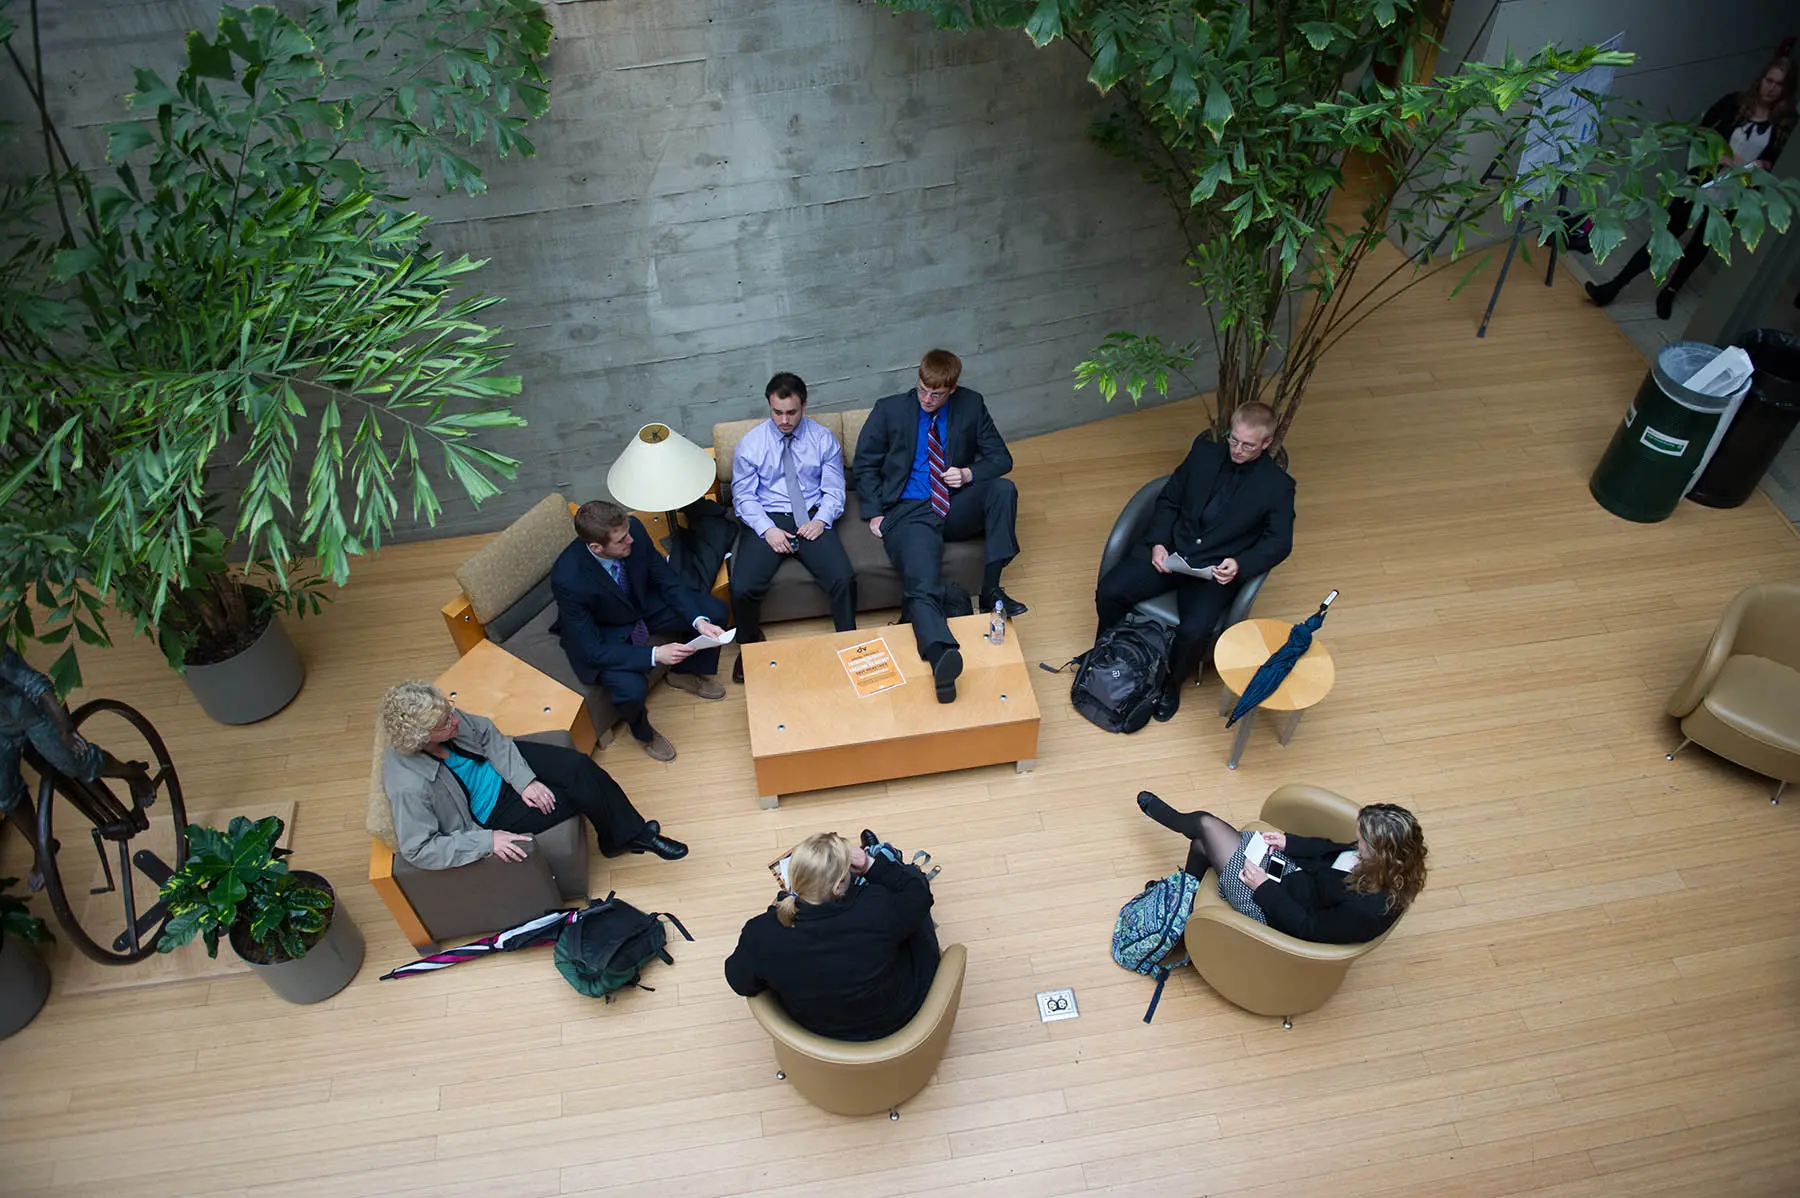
(1211,841)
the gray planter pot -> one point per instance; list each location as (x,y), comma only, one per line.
(255,684)
(327,967)
(24,984)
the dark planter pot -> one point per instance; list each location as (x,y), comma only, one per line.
(326,968)
(24,984)
(255,684)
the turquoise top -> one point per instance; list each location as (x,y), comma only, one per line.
(481,780)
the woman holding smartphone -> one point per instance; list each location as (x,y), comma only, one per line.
(1335,893)
(849,962)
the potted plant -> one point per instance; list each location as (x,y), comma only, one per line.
(286,924)
(1242,115)
(24,978)
(228,352)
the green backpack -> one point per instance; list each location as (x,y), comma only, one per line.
(607,944)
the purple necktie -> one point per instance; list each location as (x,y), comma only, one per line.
(934,454)
(640,632)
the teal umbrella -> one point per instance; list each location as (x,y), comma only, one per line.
(1270,675)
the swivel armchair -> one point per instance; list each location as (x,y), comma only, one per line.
(862,1077)
(1129,529)
(1251,964)
(1742,699)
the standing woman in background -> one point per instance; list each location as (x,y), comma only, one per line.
(1755,124)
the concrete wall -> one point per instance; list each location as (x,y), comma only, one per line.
(727,188)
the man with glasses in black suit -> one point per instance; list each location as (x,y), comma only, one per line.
(1228,507)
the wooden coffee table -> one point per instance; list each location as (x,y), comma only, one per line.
(1241,650)
(519,698)
(809,728)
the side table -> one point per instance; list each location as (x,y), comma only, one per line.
(519,698)
(1241,650)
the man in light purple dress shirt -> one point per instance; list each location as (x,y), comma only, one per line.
(787,483)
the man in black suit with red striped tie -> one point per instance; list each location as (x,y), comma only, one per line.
(929,468)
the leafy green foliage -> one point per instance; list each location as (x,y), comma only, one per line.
(237,877)
(16,919)
(241,291)
(1242,114)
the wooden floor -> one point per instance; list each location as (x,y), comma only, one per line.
(1598,992)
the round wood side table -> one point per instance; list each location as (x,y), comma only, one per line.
(1241,650)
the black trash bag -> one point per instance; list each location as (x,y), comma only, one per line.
(1768,413)
(700,542)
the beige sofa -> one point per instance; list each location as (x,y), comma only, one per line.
(794,595)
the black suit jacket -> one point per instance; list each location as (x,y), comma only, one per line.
(849,968)
(595,616)
(1314,904)
(1257,527)
(890,438)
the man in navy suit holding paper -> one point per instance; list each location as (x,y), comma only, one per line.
(622,611)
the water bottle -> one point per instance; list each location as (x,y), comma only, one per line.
(997,625)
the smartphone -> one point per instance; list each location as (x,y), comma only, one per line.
(1278,866)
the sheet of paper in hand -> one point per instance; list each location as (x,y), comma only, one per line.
(707,642)
(1179,565)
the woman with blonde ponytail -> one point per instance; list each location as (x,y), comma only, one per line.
(850,962)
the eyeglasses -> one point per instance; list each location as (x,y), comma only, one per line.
(1240,443)
(934,392)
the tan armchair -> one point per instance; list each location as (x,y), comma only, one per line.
(1251,964)
(1742,699)
(859,1078)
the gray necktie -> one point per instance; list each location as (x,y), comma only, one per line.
(789,468)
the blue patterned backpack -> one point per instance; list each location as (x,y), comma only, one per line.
(1150,928)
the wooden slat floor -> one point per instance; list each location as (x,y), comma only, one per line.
(1598,992)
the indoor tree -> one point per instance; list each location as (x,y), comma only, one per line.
(241,287)
(1242,112)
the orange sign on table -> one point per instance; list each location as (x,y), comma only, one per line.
(871,667)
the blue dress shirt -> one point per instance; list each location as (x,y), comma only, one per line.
(918,483)
(759,487)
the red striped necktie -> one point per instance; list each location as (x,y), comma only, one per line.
(934,450)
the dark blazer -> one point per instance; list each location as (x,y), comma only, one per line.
(1257,528)
(890,438)
(850,969)
(1314,904)
(595,616)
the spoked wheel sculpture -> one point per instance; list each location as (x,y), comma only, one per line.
(127,837)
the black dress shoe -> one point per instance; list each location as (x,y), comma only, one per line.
(662,846)
(1012,607)
(945,671)
(1167,705)
(1602,295)
(651,828)
(869,839)
(737,668)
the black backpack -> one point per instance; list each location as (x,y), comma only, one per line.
(1121,677)
(607,944)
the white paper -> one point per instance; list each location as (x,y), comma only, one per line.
(707,642)
(1724,375)
(1179,564)
(1346,861)
(1257,851)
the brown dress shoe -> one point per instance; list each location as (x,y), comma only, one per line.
(698,684)
(658,748)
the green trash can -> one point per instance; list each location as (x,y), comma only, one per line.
(1665,440)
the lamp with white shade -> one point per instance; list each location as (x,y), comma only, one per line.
(661,471)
